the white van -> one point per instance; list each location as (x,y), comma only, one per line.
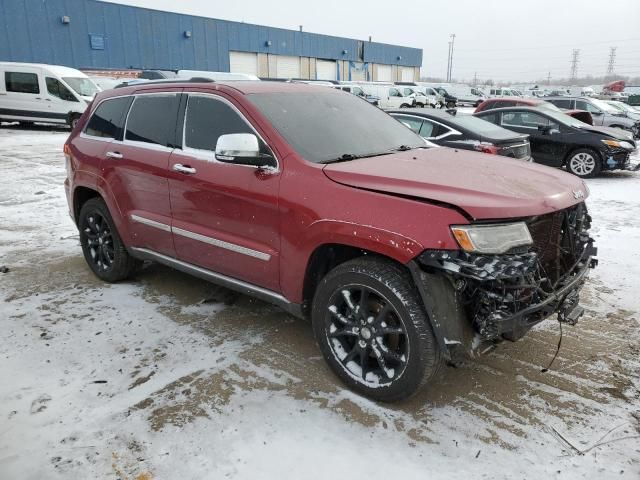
(421,99)
(389,96)
(35,92)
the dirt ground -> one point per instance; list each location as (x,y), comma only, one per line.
(166,375)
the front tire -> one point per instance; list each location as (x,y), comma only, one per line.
(102,246)
(373,331)
(584,163)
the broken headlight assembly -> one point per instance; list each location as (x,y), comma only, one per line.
(493,238)
(618,144)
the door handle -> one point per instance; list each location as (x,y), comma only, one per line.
(114,155)
(187,170)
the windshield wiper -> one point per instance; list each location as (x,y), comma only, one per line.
(345,157)
(402,148)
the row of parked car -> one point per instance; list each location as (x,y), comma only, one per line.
(583,134)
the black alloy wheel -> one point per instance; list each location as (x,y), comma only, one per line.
(102,246)
(373,330)
(366,334)
(99,241)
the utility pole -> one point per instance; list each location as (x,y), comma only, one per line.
(549,78)
(612,60)
(475,79)
(575,57)
(450,72)
(448,61)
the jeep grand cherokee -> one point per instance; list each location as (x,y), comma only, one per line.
(403,257)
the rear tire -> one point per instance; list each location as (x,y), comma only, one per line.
(373,331)
(405,105)
(73,120)
(102,246)
(584,163)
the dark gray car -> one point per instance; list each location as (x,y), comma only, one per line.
(603,114)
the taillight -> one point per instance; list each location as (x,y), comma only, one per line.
(487,148)
(67,159)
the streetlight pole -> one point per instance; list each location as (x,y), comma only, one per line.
(448,61)
(450,73)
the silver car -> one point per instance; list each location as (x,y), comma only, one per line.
(603,114)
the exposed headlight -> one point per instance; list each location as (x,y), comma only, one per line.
(618,144)
(497,238)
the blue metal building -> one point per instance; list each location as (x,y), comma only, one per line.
(98,35)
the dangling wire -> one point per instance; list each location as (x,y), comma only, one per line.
(545,370)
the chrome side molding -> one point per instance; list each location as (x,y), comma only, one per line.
(203,238)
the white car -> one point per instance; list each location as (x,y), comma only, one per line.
(415,92)
(36,92)
(389,96)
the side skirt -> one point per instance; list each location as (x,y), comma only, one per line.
(231,283)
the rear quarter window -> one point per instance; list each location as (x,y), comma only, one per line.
(108,119)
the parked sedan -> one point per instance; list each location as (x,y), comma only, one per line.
(603,114)
(504,102)
(464,132)
(559,140)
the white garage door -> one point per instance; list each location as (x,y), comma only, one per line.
(243,62)
(384,73)
(407,75)
(325,70)
(287,67)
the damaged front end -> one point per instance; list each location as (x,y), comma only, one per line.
(501,296)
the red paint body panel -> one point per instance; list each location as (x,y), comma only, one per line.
(396,205)
(486,187)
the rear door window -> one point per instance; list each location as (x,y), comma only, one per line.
(207,118)
(562,103)
(108,119)
(152,119)
(21,82)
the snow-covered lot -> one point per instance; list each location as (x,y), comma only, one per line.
(168,377)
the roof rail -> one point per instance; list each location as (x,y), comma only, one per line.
(172,80)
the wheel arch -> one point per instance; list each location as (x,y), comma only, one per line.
(326,257)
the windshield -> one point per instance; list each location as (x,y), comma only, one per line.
(618,106)
(602,105)
(338,127)
(565,119)
(548,106)
(82,86)
(481,127)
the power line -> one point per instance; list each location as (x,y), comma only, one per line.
(550,46)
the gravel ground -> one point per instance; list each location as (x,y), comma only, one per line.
(168,377)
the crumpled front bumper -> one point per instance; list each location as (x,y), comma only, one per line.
(505,295)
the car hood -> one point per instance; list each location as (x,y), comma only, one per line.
(616,133)
(484,186)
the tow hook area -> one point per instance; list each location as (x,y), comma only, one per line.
(570,311)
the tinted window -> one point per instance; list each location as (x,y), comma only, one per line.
(207,119)
(427,130)
(108,119)
(527,120)
(152,119)
(490,118)
(394,93)
(21,82)
(337,124)
(562,103)
(582,105)
(412,122)
(57,89)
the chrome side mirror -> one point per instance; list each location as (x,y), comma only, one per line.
(242,148)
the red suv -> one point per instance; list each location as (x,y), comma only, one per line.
(402,256)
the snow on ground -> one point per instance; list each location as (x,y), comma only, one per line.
(168,377)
